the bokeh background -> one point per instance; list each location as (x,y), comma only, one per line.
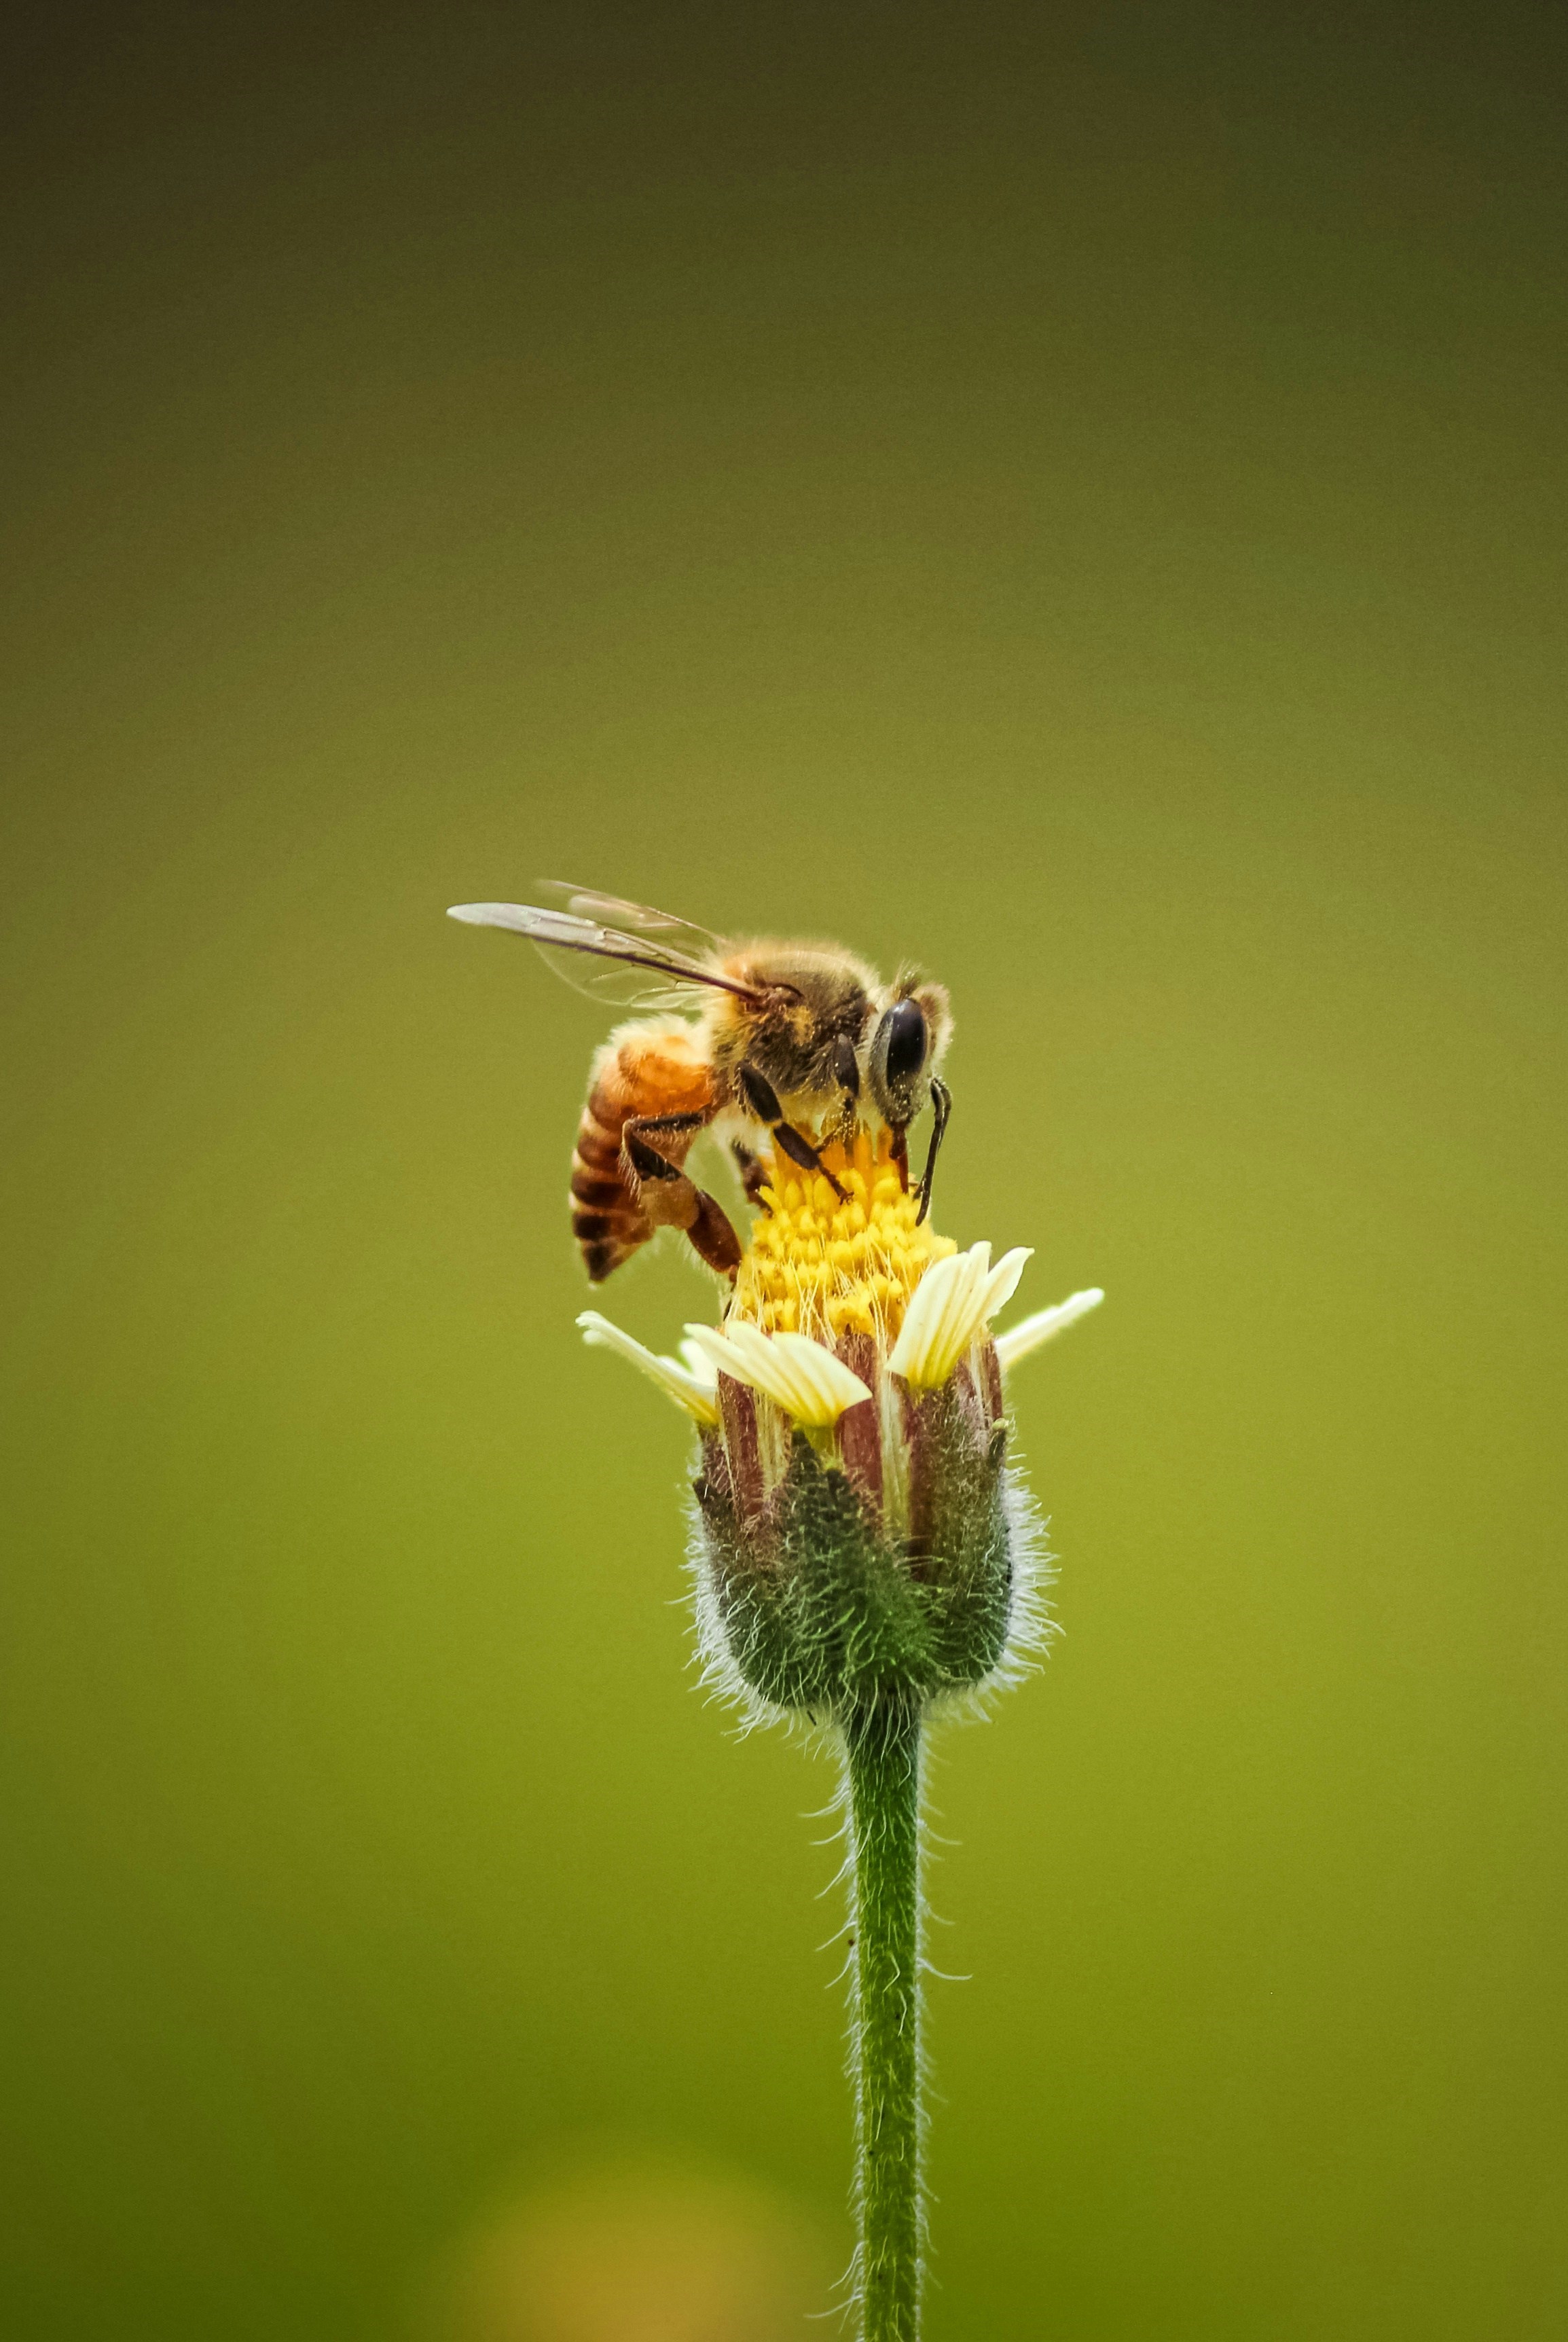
(1075,493)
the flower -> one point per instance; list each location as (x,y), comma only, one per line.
(859,1536)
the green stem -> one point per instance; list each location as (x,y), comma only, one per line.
(881,1747)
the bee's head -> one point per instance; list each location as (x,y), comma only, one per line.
(906,1048)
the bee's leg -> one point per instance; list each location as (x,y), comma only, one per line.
(899,1151)
(669,1198)
(754,1178)
(799,1149)
(847,1066)
(712,1235)
(941,1107)
(763,1099)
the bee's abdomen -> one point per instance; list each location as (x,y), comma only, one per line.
(606,1218)
(643,1070)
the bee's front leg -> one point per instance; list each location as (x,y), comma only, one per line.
(898,1149)
(669,1198)
(941,1107)
(763,1100)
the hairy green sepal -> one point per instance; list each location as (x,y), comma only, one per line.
(823,1611)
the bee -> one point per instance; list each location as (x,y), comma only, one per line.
(800,1040)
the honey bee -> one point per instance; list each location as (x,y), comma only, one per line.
(801,1040)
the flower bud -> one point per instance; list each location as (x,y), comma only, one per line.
(884,1566)
(860,1542)
(881,1556)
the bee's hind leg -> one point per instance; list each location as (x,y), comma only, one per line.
(669,1198)
(711,1233)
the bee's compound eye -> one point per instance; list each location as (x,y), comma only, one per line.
(903,1040)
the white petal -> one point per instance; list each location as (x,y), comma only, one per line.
(835,1386)
(918,1315)
(677,1382)
(961,1308)
(699,1363)
(1030,1333)
(952,1301)
(721,1354)
(799,1375)
(1003,1282)
(919,1337)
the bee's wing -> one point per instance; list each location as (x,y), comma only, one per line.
(640,972)
(682,936)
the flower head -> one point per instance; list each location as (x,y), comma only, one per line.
(859,1532)
(826,1264)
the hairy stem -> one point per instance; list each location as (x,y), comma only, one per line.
(882,1745)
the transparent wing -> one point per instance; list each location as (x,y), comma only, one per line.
(613,911)
(635,970)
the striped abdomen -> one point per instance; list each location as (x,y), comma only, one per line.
(643,1070)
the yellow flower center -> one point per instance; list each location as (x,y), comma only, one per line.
(824,1267)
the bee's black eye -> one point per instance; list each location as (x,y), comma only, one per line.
(903,1040)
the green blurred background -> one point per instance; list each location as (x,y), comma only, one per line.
(1072,493)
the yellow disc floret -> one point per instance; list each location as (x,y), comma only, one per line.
(825,1266)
